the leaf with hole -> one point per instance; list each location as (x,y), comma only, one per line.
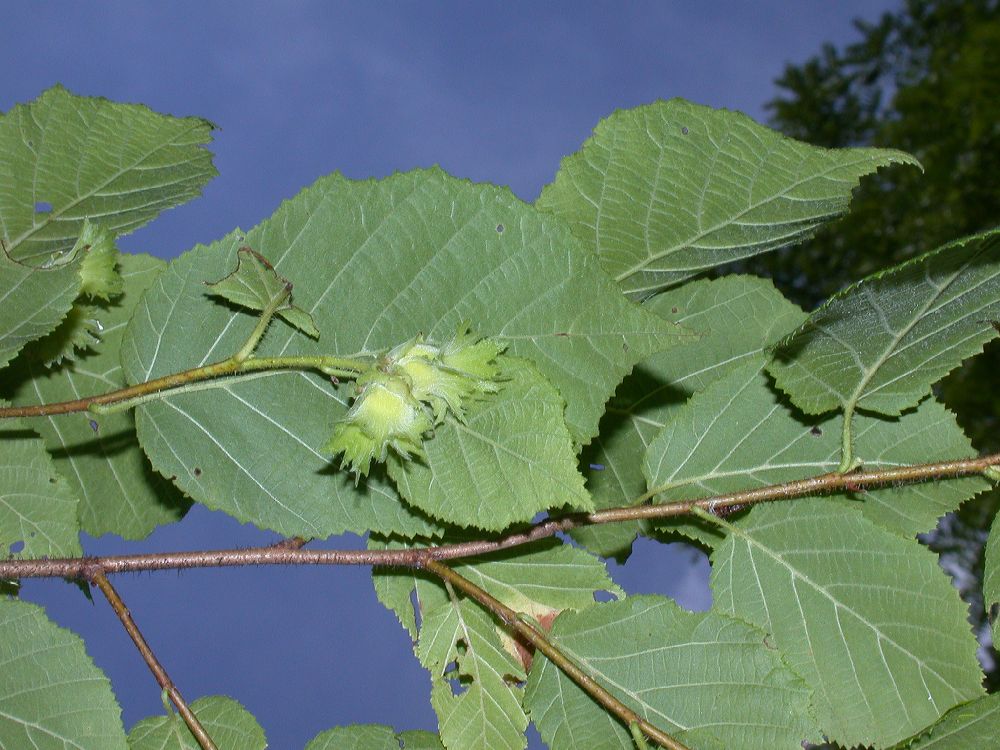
(375,263)
(679,670)
(119,165)
(538,579)
(483,710)
(37,506)
(98,455)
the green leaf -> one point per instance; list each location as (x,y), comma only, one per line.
(105,467)
(416,739)
(991,579)
(257,286)
(539,579)
(485,713)
(738,435)
(511,458)
(737,317)
(868,619)
(229,725)
(52,697)
(975,724)
(667,190)
(373,737)
(880,344)
(679,670)
(37,506)
(80,329)
(119,164)
(356,737)
(33,301)
(375,263)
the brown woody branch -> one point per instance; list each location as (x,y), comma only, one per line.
(290,554)
(100,580)
(541,642)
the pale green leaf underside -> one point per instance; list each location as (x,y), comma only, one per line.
(882,343)
(119,165)
(736,317)
(541,577)
(511,458)
(33,301)
(536,579)
(118,491)
(974,725)
(867,618)
(487,713)
(417,739)
(374,263)
(991,579)
(665,191)
(52,697)
(255,285)
(38,509)
(680,670)
(394,586)
(738,435)
(229,725)
(373,737)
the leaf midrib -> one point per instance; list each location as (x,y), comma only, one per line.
(837,604)
(868,373)
(695,237)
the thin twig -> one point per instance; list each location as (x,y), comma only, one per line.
(541,642)
(219,373)
(99,579)
(284,554)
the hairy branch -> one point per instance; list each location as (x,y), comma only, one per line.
(290,554)
(198,378)
(538,639)
(99,579)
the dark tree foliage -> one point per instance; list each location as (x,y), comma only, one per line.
(924,79)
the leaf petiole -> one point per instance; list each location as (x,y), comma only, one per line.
(262,323)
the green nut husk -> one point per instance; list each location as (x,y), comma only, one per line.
(416,386)
(384,415)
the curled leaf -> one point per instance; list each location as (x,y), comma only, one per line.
(99,268)
(256,285)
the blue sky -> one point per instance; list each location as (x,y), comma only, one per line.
(494,92)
